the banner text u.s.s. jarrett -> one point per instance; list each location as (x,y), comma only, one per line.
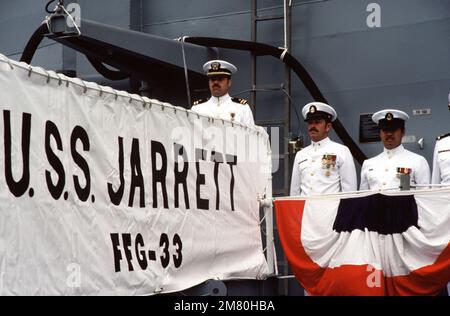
(106,193)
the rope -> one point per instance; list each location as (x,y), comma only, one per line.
(186,72)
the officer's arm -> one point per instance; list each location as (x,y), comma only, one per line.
(436,175)
(296,180)
(423,172)
(248,115)
(347,173)
(364,185)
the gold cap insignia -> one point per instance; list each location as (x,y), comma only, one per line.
(215,66)
(312,109)
(389,116)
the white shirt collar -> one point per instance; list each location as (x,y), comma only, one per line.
(395,151)
(220,100)
(321,143)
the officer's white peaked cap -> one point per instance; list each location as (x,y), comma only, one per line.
(318,110)
(389,115)
(219,67)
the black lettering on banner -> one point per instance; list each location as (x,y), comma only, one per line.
(116,197)
(51,130)
(117,254)
(177,260)
(217,158)
(79,133)
(180,176)
(159,175)
(137,180)
(164,242)
(200,154)
(17,188)
(126,239)
(140,254)
(232,161)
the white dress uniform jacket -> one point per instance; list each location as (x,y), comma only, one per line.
(441,162)
(323,167)
(380,172)
(225,108)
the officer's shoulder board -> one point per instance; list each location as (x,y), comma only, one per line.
(239,100)
(443,136)
(199,101)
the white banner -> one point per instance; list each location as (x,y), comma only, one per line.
(108,193)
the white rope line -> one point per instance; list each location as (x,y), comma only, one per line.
(186,77)
(60,80)
(283,53)
(48,76)
(265,215)
(47,21)
(71,18)
(85,87)
(390,192)
(101,90)
(143,101)
(272,241)
(7,60)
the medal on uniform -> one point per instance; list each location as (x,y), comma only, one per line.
(328,162)
(403,170)
(232,114)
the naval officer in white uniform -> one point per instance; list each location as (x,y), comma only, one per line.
(441,171)
(441,158)
(324,166)
(383,171)
(441,161)
(221,105)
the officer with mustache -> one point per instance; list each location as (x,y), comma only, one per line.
(221,105)
(383,172)
(324,166)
